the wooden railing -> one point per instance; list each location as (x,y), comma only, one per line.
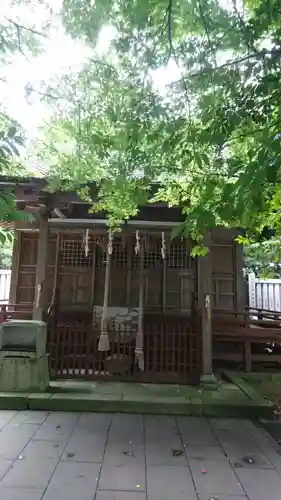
(246,340)
(15,311)
(250,339)
(170,351)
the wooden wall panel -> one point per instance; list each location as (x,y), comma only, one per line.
(27,268)
(224,270)
(173,290)
(51,266)
(13,296)
(181,276)
(118,274)
(75,272)
(169,283)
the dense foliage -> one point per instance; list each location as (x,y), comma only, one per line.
(6,250)
(184,93)
(210,135)
(264,259)
(25,40)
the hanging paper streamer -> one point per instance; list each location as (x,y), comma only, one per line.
(104,344)
(163,246)
(87,243)
(137,245)
(110,245)
(208,306)
(38,295)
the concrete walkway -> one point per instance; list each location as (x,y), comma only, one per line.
(72,456)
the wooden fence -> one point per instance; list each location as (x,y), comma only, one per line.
(5,282)
(264,294)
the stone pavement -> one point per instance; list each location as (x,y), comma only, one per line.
(72,456)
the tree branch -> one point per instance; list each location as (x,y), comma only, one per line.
(26,28)
(169,29)
(243,28)
(206,29)
(206,71)
(29,90)
(252,132)
(11,120)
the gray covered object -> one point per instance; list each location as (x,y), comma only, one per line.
(23,338)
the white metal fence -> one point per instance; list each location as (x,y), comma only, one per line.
(5,282)
(264,294)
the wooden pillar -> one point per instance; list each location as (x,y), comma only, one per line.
(40,295)
(204,303)
(15,268)
(139,336)
(239,277)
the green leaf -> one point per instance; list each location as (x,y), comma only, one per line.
(199,251)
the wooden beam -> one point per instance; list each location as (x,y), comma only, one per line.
(59,213)
(204,302)
(15,268)
(40,302)
(24,225)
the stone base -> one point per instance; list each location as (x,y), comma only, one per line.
(209,381)
(24,374)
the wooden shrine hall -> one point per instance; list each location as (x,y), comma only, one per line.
(130,306)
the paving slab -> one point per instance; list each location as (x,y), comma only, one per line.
(196,431)
(163,441)
(126,428)
(35,465)
(57,426)
(14,438)
(127,477)
(6,416)
(239,445)
(260,484)
(213,452)
(88,439)
(160,426)
(85,448)
(169,482)
(73,481)
(93,421)
(269,446)
(215,478)
(42,451)
(223,497)
(29,417)
(120,495)
(25,474)
(19,494)
(5,466)
(165,454)
(126,456)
